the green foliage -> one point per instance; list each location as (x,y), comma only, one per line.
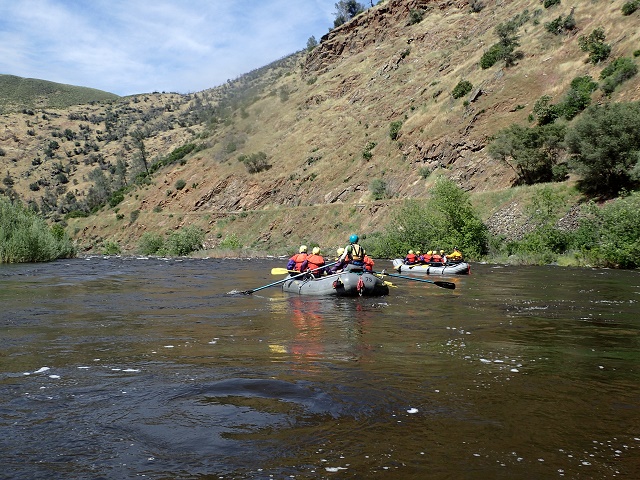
(532,153)
(595,46)
(346,10)
(230,242)
(545,111)
(550,3)
(133,216)
(616,72)
(446,220)
(185,241)
(255,162)
(605,143)
(150,243)
(424,172)
(111,247)
(561,25)
(629,7)
(25,237)
(366,153)
(394,129)
(378,189)
(311,43)
(505,49)
(461,89)
(177,155)
(578,97)
(415,16)
(180,184)
(476,5)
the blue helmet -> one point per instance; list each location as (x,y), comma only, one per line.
(353,238)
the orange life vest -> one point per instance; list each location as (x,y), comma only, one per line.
(299,258)
(410,259)
(368,263)
(436,258)
(315,261)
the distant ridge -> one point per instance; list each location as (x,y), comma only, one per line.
(17,93)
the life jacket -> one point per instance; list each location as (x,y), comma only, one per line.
(410,259)
(315,261)
(436,258)
(355,254)
(455,256)
(426,258)
(299,259)
(368,263)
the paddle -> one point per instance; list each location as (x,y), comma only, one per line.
(281,271)
(248,292)
(449,285)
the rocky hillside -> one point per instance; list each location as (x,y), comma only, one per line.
(321,143)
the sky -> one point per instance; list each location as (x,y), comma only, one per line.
(140,46)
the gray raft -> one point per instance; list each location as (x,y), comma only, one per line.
(344,284)
(460,268)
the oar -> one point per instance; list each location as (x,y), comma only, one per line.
(248,292)
(282,271)
(449,285)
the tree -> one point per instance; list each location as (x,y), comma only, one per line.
(138,139)
(532,153)
(346,10)
(311,43)
(595,46)
(605,143)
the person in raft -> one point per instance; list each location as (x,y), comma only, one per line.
(295,262)
(368,263)
(353,254)
(411,258)
(339,266)
(455,256)
(314,263)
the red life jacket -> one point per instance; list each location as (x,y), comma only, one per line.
(368,263)
(299,258)
(315,261)
(436,258)
(411,258)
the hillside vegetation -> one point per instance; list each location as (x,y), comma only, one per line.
(17,93)
(334,140)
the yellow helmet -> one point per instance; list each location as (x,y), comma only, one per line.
(430,252)
(303,248)
(340,251)
(417,252)
(410,252)
(441,251)
(316,250)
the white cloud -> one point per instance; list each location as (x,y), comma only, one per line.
(138,46)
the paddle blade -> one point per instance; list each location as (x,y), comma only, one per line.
(279,271)
(449,285)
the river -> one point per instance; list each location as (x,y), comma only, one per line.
(118,368)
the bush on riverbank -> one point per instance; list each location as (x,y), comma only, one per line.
(180,243)
(25,237)
(445,221)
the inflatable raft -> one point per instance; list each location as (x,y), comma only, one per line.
(344,284)
(460,268)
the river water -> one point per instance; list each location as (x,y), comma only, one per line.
(117,368)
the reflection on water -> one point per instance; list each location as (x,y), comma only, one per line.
(123,367)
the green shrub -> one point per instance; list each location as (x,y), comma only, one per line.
(550,3)
(150,243)
(578,97)
(630,7)
(111,247)
(25,236)
(184,241)
(378,189)
(561,25)
(446,220)
(415,16)
(424,172)
(461,89)
(394,129)
(255,162)
(595,46)
(605,141)
(230,242)
(616,72)
(180,184)
(133,216)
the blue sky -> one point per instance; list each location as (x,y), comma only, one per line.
(140,46)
